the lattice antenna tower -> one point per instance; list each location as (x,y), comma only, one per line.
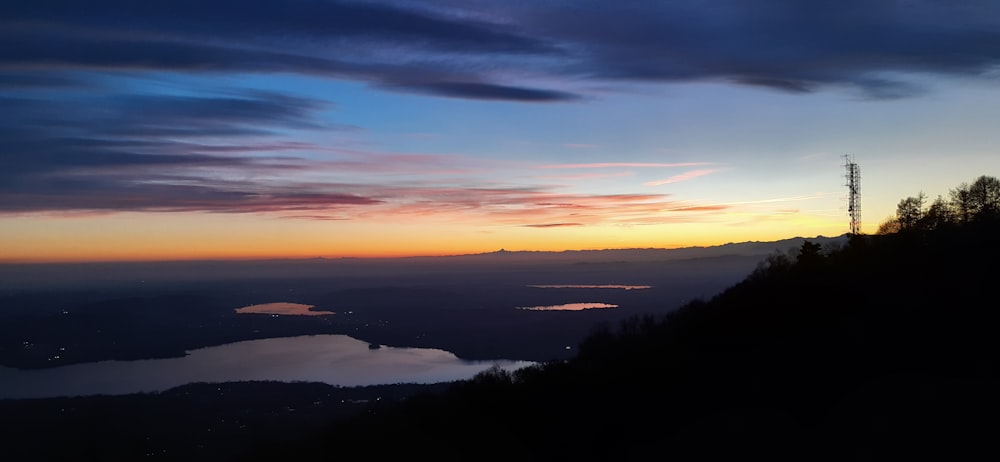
(853,176)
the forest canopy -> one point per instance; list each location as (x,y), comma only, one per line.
(966,203)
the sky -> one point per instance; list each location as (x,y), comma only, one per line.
(182,129)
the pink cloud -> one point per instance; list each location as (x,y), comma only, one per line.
(317,217)
(700,208)
(682,177)
(337,183)
(625,164)
(518,206)
(586,176)
(353,160)
(782,199)
(552,225)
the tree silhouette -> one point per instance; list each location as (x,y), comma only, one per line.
(961,202)
(967,203)
(984,197)
(938,215)
(888,226)
(810,254)
(909,211)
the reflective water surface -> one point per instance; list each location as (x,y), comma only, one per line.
(333,359)
(569,307)
(282,308)
(589,286)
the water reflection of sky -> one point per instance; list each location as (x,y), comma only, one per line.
(588,286)
(334,359)
(569,307)
(283,308)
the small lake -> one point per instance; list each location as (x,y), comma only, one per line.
(333,359)
(283,308)
(579,306)
(589,286)
(569,307)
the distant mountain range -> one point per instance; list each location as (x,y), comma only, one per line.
(34,276)
(749,248)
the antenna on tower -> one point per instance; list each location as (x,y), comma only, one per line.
(853,176)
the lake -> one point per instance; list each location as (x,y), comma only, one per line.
(581,305)
(283,308)
(569,307)
(589,286)
(333,359)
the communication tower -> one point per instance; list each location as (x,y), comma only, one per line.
(853,176)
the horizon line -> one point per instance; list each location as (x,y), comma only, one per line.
(372,258)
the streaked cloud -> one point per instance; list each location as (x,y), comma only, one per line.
(393,46)
(699,208)
(485,91)
(458,49)
(781,199)
(542,207)
(552,225)
(236,150)
(586,176)
(625,165)
(681,177)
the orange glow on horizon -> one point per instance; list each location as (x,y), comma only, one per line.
(174,237)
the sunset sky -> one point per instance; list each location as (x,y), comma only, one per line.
(147,130)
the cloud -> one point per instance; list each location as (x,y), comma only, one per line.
(587,176)
(36,80)
(55,137)
(224,152)
(99,113)
(780,44)
(624,164)
(781,199)
(487,91)
(521,206)
(123,197)
(317,217)
(682,177)
(247,108)
(228,152)
(460,49)
(552,225)
(387,45)
(90,174)
(777,83)
(256,21)
(700,208)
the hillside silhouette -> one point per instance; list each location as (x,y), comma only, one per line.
(883,349)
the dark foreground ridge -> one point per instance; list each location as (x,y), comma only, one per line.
(882,350)
(194,422)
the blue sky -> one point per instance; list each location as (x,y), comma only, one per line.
(182,129)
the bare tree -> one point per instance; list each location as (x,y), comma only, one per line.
(910,211)
(961,201)
(938,215)
(984,197)
(889,226)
